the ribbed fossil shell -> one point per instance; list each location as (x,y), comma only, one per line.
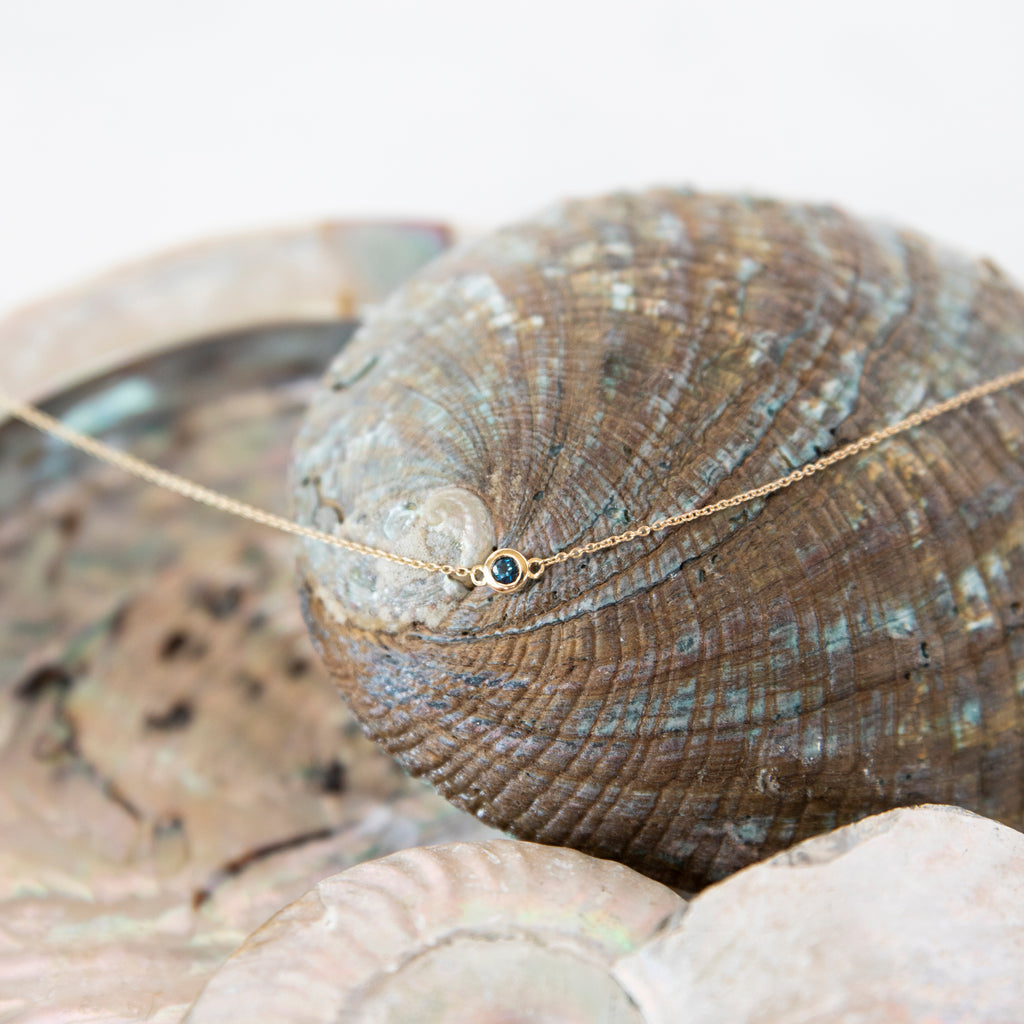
(493,933)
(880,922)
(698,699)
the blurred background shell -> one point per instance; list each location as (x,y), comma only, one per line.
(175,765)
(693,701)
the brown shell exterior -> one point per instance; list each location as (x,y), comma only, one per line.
(701,698)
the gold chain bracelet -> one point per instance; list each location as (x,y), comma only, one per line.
(507,569)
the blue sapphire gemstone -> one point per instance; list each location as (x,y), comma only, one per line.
(505,570)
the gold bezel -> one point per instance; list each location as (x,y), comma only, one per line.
(519,559)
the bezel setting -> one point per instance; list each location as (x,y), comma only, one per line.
(522,575)
(487,574)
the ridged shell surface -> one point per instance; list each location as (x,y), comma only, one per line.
(697,699)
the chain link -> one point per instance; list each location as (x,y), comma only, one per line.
(205,496)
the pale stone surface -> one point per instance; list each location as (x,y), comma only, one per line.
(910,916)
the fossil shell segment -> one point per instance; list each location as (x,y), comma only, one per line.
(485,932)
(914,915)
(881,921)
(699,698)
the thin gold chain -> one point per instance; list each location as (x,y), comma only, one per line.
(861,445)
(204,495)
(527,568)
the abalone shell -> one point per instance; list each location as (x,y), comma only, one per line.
(699,698)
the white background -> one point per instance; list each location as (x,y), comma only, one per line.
(130,125)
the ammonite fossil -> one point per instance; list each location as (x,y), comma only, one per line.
(501,932)
(694,700)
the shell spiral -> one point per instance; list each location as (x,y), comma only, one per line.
(698,699)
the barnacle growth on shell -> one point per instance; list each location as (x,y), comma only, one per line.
(700,698)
